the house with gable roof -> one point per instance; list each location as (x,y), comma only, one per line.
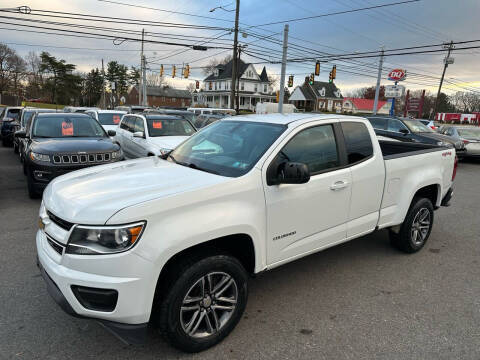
(252,87)
(319,96)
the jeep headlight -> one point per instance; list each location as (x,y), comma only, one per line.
(39,157)
(103,240)
(117,154)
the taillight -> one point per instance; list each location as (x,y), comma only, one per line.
(466,142)
(455,164)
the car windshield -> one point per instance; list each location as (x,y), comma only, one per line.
(415,126)
(67,126)
(109,118)
(470,133)
(159,126)
(227,148)
(13,113)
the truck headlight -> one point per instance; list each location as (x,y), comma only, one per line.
(39,157)
(103,240)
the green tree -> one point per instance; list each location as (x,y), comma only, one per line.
(92,87)
(62,84)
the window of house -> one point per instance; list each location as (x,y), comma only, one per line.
(316,147)
(255,88)
(215,86)
(357,141)
(242,85)
(210,86)
(265,88)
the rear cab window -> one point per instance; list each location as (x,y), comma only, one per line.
(358,142)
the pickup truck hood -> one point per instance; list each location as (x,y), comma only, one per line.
(93,195)
(167,142)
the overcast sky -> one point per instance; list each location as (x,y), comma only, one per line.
(418,23)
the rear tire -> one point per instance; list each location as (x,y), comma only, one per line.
(204,301)
(416,227)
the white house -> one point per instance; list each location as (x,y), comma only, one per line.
(252,87)
(365,106)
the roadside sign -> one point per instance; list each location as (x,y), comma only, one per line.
(394,91)
(397,75)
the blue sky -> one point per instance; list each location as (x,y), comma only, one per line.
(418,23)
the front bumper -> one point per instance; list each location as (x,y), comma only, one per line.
(130,317)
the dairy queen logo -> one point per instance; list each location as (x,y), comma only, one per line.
(397,75)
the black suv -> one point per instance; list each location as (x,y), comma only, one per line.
(59,143)
(411,130)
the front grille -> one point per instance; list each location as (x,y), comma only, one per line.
(55,246)
(60,222)
(97,158)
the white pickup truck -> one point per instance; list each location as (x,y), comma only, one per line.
(172,240)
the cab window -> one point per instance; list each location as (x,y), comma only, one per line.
(396,125)
(316,147)
(139,126)
(357,142)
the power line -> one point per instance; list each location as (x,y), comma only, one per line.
(335,13)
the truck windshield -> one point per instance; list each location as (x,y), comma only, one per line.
(416,126)
(67,126)
(227,148)
(109,118)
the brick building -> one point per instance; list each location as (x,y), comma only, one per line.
(162,96)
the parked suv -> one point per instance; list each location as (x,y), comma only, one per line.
(410,130)
(9,114)
(59,143)
(142,135)
(109,119)
(25,120)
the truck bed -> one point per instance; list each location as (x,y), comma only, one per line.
(396,149)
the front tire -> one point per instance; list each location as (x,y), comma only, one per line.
(416,228)
(32,191)
(205,302)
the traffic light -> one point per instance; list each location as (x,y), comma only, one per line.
(290,81)
(312,79)
(317,68)
(161,70)
(334,72)
(330,77)
(186,71)
(174,70)
(278,96)
(197,84)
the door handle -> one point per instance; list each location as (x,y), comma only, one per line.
(338,185)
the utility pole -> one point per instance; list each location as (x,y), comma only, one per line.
(237,94)
(284,69)
(379,77)
(234,60)
(104,99)
(446,61)
(144,82)
(140,88)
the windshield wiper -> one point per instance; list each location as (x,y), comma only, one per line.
(193,166)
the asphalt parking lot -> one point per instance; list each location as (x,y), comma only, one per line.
(359,300)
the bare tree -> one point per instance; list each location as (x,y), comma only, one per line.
(19,67)
(273,81)
(356,93)
(7,55)
(191,88)
(212,64)
(154,79)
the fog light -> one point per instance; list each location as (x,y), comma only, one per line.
(41,175)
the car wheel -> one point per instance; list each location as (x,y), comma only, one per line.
(32,191)
(416,228)
(205,302)
(15,148)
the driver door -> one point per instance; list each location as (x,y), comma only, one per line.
(303,218)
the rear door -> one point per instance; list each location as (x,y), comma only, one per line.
(139,144)
(303,218)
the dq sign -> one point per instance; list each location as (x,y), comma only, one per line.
(397,75)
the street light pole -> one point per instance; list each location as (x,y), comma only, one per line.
(377,90)
(234,60)
(284,66)
(446,61)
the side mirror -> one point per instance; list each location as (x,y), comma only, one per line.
(111,132)
(20,134)
(404,131)
(290,173)
(139,134)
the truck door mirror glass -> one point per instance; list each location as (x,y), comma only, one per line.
(290,173)
(111,132)
(139,134)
